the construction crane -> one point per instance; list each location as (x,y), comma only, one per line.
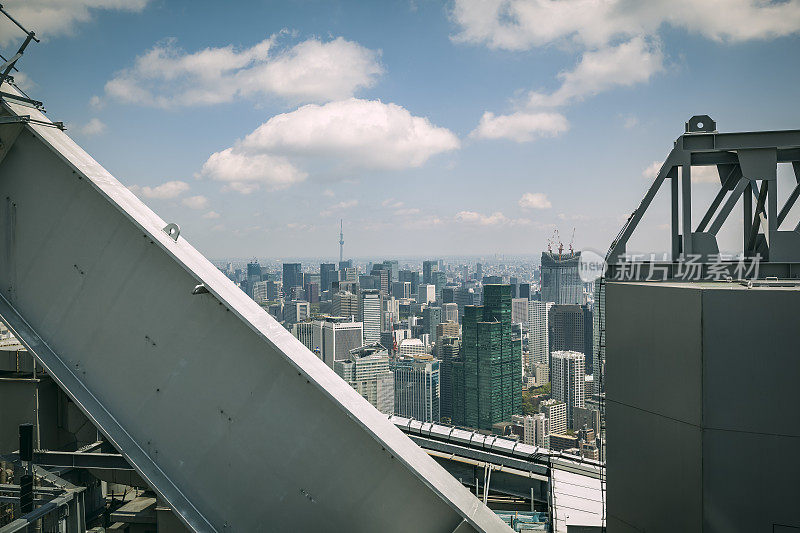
(571,243)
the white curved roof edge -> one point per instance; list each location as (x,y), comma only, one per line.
(368,418)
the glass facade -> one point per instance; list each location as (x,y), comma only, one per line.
(492,363)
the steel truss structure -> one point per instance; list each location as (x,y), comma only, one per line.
(746,163)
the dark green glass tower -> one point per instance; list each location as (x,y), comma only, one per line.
(492,362)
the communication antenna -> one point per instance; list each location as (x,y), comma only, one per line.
(341,240)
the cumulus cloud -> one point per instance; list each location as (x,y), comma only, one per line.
(495,219)
(53,18)
(195,202)
(211,215)
(524,24)
(93,127)
(165,191)
(310,71)
(625,64)
(360,133)
(618,42)
(521,126)
(246,173)
(349,133)
(534,200)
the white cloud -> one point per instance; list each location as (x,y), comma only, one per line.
(310,71)
(704,174)
(534,200)
(524,24)
(495,219)
(93,127)
(195,202)
(618,41)
(211,215)
(358,133)
(625,64)
(410,211)
(346,204)
(53,18)
(329,193)
(520,126)
(351,133)
(392,203)
(651,171)
(170,189)
(246,173)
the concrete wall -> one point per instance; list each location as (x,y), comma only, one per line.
(702,424)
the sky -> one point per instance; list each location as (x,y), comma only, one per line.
(431,128)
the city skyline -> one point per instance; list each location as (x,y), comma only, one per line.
(490,131)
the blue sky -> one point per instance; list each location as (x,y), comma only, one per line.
(432,128)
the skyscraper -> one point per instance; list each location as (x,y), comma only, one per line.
(291,278)
(448,350)
(428,267)
(401,289)
(411,276)
(450,312)
(568,380)
(431,317)
(556,413)
(566,328)
(417,388)
(492,362)
(538,332)
(334,337)
(561,282)
(370,313)
(367,371)
(345,304)
(519,310)
(327,275)
(427,293)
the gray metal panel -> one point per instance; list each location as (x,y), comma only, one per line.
(734,355)
(212,397)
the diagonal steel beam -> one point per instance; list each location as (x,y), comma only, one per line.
(733,175)
(726,209)
(757,218)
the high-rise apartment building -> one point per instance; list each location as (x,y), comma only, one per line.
(492,361)
(367,371)
(370,305)
(561,282)
(334,337)
(567,380)
(292,277)
(536,431)
(417,388)
(556,413)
